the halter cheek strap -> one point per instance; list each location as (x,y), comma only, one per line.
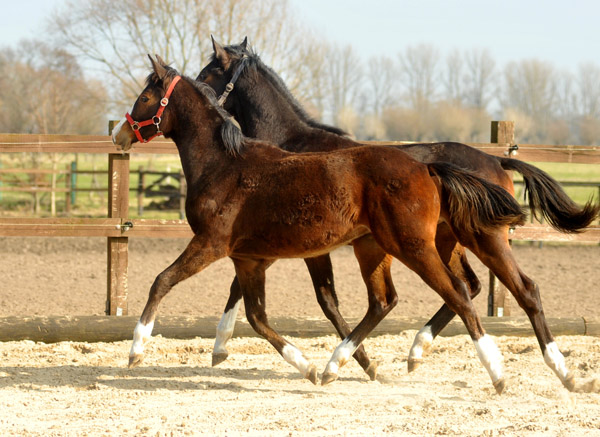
(234,78)
(137,125)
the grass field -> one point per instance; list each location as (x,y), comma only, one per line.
(94,204)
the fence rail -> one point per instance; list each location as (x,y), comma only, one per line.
(117,227)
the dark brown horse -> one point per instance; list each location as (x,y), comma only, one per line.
(265,109)
(255,203)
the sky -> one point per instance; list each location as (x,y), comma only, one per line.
(565,33)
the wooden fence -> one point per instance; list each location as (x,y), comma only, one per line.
(117,227)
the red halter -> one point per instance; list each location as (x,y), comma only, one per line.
(135,125)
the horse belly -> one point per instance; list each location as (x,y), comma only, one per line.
(296,242)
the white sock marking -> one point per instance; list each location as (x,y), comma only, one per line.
(141,335)
(423,341)
(340,356)
(490,356)
(293,356)
(225,328)
(556,361)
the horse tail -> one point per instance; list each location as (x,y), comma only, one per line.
(474,204)
(546,197)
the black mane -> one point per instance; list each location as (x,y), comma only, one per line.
(254,65)
(233,138)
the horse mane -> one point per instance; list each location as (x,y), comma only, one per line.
(255,64)
(233,138)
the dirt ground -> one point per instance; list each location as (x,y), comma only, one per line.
(78,389)
(67,276)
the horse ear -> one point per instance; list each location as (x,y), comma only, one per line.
(244,43)
(159,67)
(220,53)
(160,60)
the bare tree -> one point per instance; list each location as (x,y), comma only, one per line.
(531,89)
(382,82)
(418,67)
(453,78)
(47,92)
(115,38)
(344,77)
(588,82)
(479,77)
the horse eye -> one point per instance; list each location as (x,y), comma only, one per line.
(144,99)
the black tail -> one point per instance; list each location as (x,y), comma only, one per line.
(546,197)
(475,204)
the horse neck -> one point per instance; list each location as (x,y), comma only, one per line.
(283,125)
(197,135)
(257,98)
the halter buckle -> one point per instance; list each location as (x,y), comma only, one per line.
(164,101)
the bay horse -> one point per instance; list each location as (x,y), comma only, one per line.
(254,202)
(265,109)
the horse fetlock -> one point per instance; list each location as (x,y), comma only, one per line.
(500,385)
(372,370)
(135,360)
(569,382)
(413,364)
(311,374)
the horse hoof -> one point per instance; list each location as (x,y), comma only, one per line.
(372,370)
(328,377)
(135,360)
(413,364)
(500,385)
(311,374)
(219,358)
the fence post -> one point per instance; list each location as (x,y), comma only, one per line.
(73,176)
(117,247)
(498,303)
(141,187)
(182,194)
(68,188)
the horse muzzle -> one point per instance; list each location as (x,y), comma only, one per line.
(123,135)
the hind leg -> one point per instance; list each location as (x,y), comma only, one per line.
(454,257)
(227,322)
(495,252)
(375,269)
(321,273)
(251,276)
(196,256)
(457,296)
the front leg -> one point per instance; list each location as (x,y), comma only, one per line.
(227,322)
(196,256)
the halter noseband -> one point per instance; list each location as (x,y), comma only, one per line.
(234,78)
(137,125)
